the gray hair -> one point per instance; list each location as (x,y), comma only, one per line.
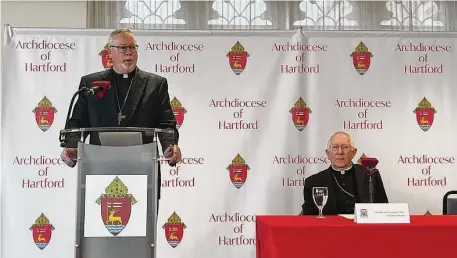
(119,31)
(351,142)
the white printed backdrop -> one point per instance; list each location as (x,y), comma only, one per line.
(394,93)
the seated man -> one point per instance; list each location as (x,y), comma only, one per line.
(347,183)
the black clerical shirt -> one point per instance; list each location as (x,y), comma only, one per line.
(122,85)
(345,190)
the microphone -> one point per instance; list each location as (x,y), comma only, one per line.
(99,88)
(370,165)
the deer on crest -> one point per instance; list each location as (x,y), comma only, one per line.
(43,120)
(173,236)
(361,65)
(112,218)
(237,178)
(424,121)
(299,121)
(236,64)
(40,238)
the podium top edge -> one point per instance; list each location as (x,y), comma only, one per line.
(117,129)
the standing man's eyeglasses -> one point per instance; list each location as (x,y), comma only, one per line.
(123,49)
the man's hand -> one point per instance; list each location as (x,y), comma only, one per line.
(173,152)
(69,156)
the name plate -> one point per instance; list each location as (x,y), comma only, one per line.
(381,213)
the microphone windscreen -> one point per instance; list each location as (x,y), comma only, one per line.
(105,85)
(369,162)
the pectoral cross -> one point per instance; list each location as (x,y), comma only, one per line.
(120,116)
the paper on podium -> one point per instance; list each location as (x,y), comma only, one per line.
(347,216)
(120,138)
(370,213)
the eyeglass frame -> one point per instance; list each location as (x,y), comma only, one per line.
(133,48)
(344,148)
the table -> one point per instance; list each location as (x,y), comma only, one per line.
(336,236)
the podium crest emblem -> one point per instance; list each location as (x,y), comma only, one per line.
(425,114)
(44,114)
(174,230)
(238,171)
(238,58)
(300,114)
(42,231)
(178,111)
(363,213)
(107,62)
(361,58)
(116,206)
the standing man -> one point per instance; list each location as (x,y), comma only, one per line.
(136,99)
(347,183)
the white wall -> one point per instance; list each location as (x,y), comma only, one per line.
(63,14)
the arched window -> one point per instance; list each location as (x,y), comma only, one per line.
(411,15)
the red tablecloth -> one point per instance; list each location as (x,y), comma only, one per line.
(335,236)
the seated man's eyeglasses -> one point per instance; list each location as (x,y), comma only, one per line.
(123,49)
(344,148)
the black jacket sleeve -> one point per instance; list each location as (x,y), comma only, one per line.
(167,119)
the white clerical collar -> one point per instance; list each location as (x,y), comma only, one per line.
(124,75)
(342,171)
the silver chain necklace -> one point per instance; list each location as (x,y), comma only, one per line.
(121,116)
(342,187)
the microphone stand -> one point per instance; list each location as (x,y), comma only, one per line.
(370,187)
(371,172)
(70,109)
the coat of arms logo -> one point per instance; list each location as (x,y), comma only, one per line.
(361,58)
(238,171)
(238,58)
(107,62)
(174,230)
(44,114)
(42,231)
(425,114)
(178,111)
(300,114)
(116,206)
